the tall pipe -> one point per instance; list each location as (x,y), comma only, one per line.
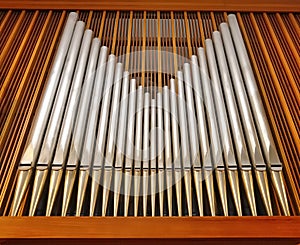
(111,136)
(146,150)
(60,157)
(262,125)
(160,152)
(121,139)
(129,145)
(193,134)
(176,145)
(185,145)
(224,129)
(235,122)
(153,159)
(168,147)
(76,146)
(138,148)
(97,73)
(255,152)
(34,140)
(58,109)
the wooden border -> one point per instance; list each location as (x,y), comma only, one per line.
(175,5)
(149,227)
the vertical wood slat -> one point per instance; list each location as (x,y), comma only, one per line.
(200,23)
(282,58)
(113,46)
(288,38)
(159,50)
(174,43)
(188,35)
(128,41)
(276,83)
(4,21)
(16,101)
(12,36)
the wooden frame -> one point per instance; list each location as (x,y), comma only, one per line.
(224,228)
(175,5)
(210,230)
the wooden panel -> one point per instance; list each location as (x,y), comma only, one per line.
(155,228)
(225,5)
(244,241)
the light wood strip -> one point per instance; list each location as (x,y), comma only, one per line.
(113,46)
(277,84)
(12,37)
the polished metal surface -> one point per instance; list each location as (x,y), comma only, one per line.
(77,141)
(128,166)
(224,129)
(34,140)
(262,126)
(254,148)
(102,130)
(119,132)
(176,146)
(242,156)
(185,145)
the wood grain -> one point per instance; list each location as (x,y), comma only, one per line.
(222,5)
(152,227)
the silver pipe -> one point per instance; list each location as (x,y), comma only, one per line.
(34,140)
(43,113)
(121,139)
(90,135)
(138,146)
(167,128)
(129,145)
(175,145)
(191,118)
(247,120)
(262,125)
(120,147)
(220,110)
(160,152)
(227,145)
(146,150)
(80,126)
(211,116)
(61,99)
(235,122)
(168,147)
(111,136)
(89,142)
(185,147)
(153,145)
(89,81)
(193,134)
(234,118)
(198,95)
(243,104)
(52,132)
(114,116)
(214,159)
(175,125)
(104,114)
(62,147)
(203,135)
(102,129)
